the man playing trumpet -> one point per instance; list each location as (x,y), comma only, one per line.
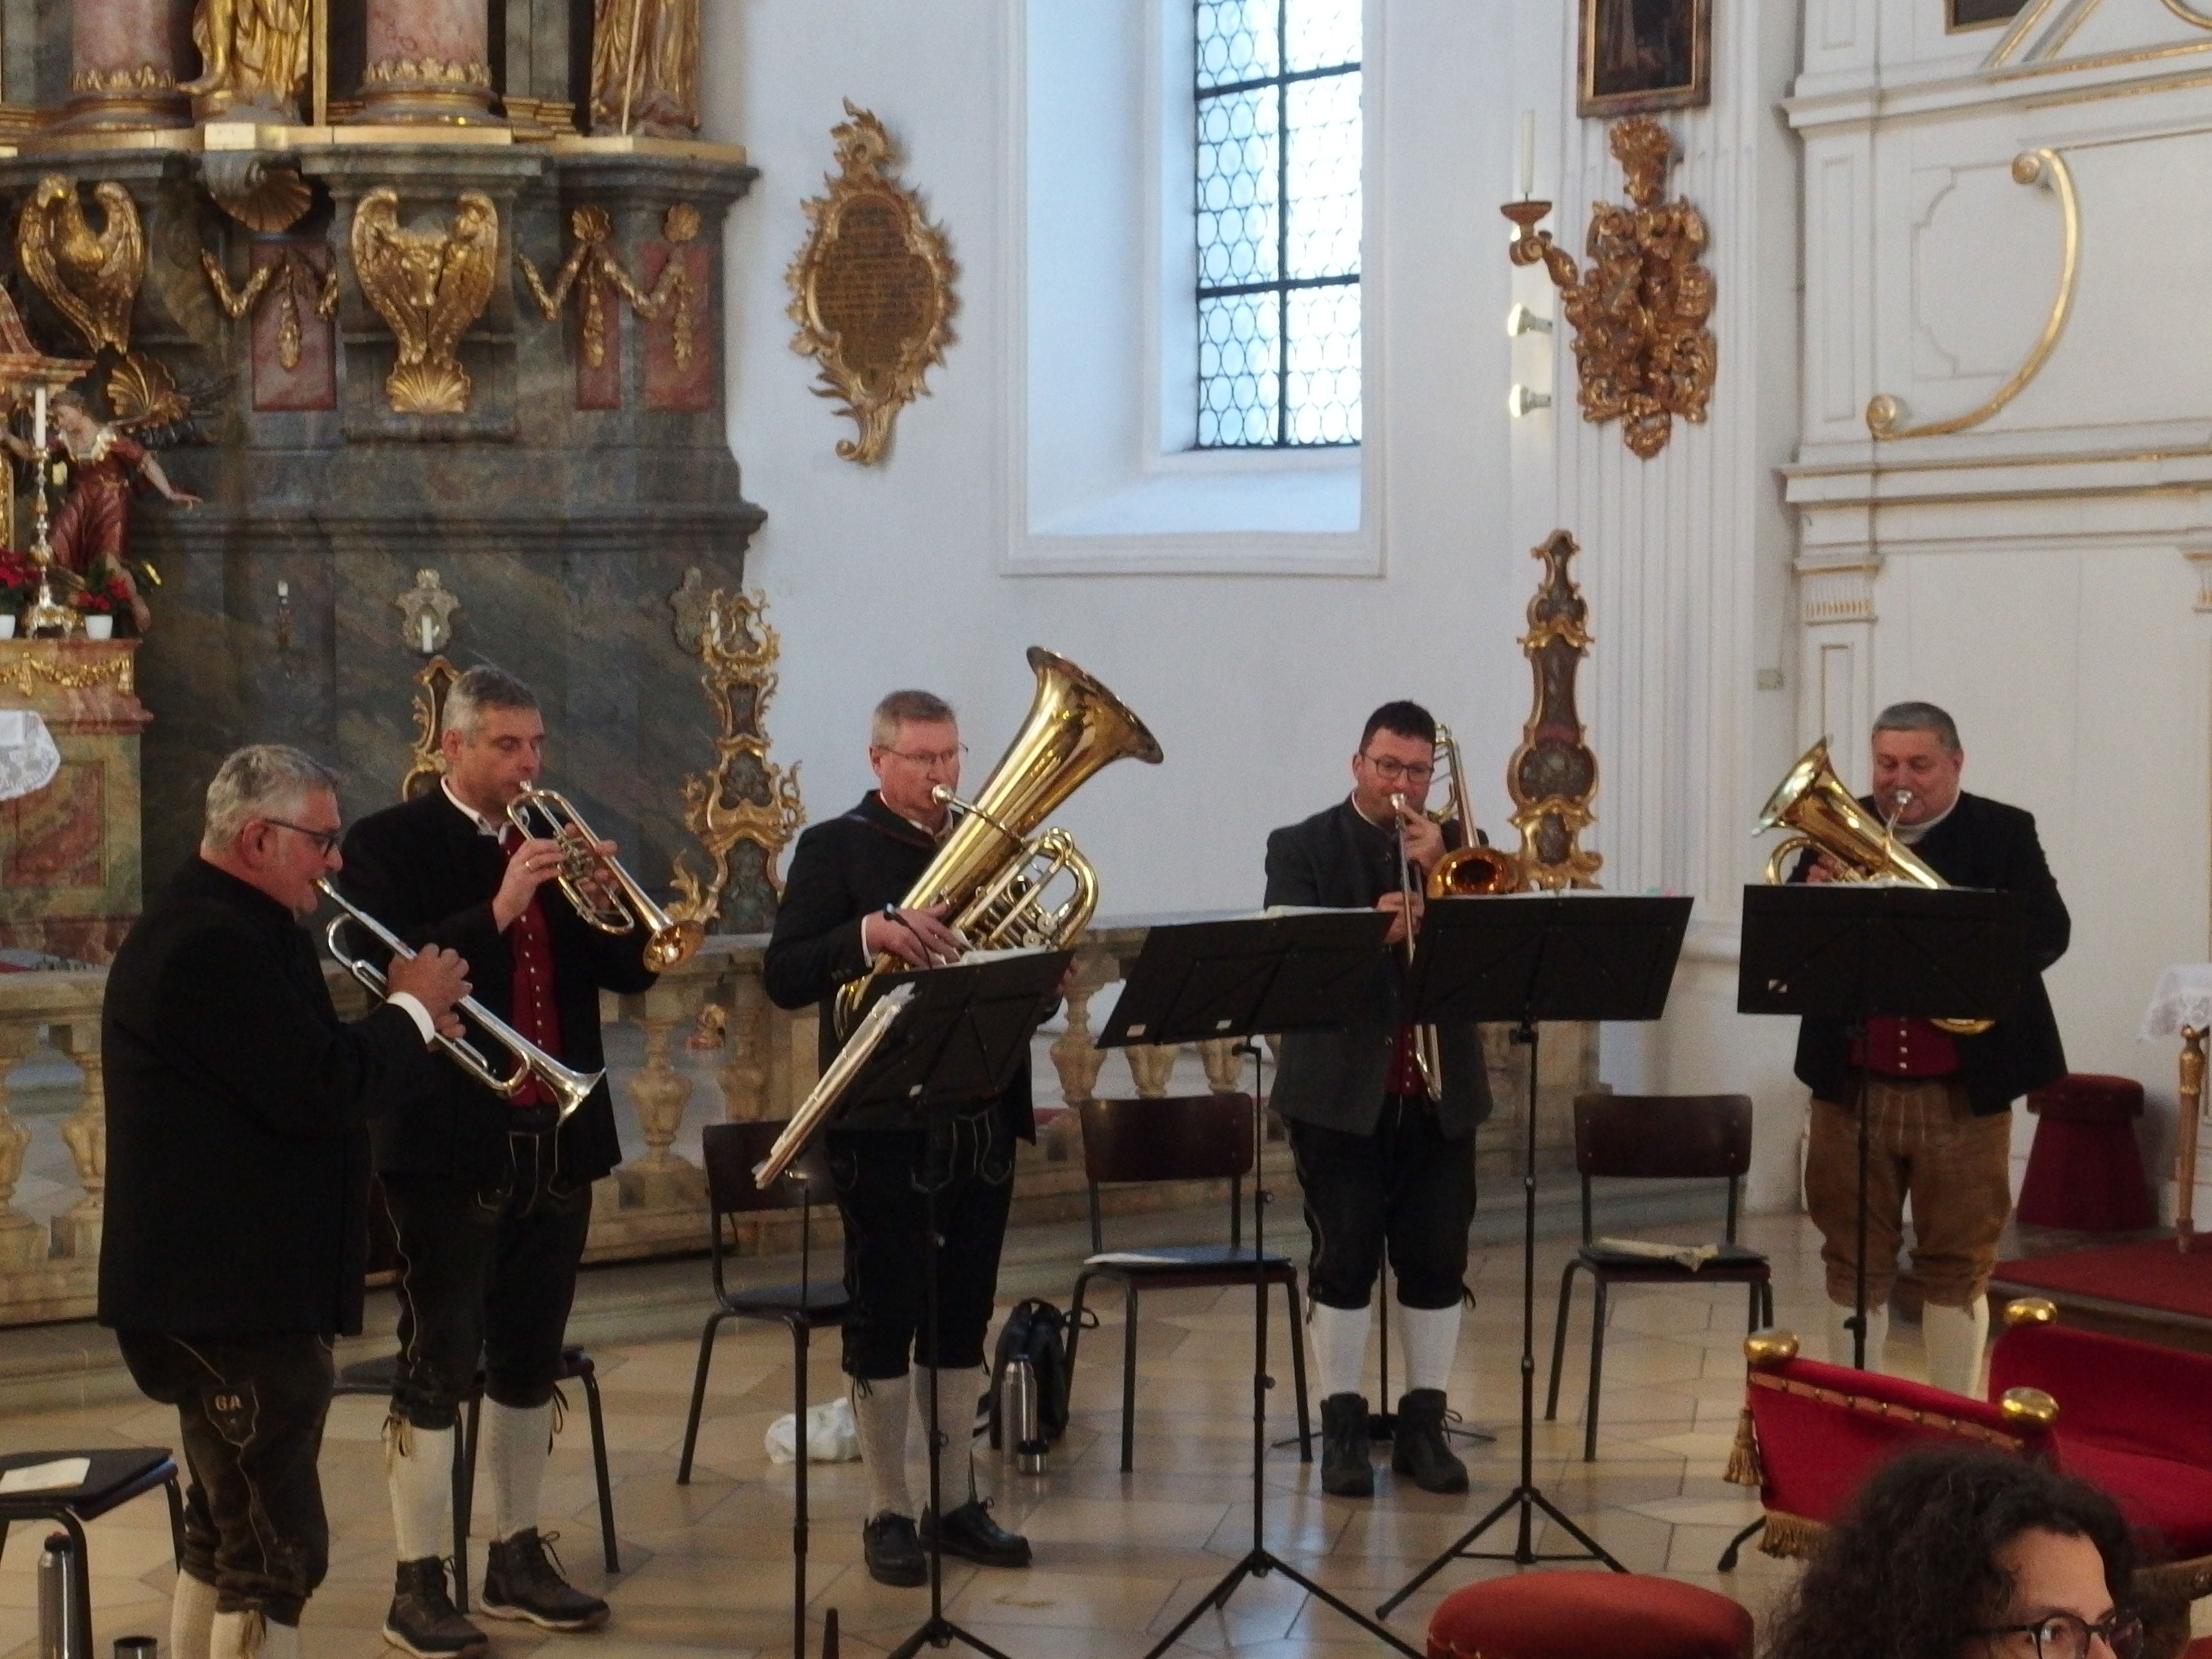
(1938,1104)
(490,1195)
(1383,1163)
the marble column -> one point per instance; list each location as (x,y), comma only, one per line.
(428,61)
(127,57)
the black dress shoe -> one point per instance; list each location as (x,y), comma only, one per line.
(522,1580)
(1345,1471)
(894,1551)
(423,1620)
(969,1532)
(1419,1448)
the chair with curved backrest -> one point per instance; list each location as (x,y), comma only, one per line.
(1187,1138)
(1655,1138)
(731,1152)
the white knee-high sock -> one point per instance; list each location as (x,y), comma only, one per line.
(1954,1338)
(1840,1336)
(251,1634)
(1340,1345)
(517,1441)
(959,1475)
(881,1412)
(1429,1338)
(419,1467)
(192,1618)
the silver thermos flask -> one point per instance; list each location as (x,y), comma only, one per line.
(59,1566)
(1020,1407)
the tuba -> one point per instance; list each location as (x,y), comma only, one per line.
(992,872)
(1813,801)
(1473,870)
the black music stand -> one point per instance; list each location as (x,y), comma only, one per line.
(1528,957)
(1290,970)
(963,1038)
(1850,951)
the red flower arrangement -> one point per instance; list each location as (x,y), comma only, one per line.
(18,577)
(105,592)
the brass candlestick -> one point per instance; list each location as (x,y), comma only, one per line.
(46,614)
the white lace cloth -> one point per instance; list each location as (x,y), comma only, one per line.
(2184,997)
(29,759)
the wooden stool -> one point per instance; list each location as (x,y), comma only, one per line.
(2085,1171)
(1588,1615)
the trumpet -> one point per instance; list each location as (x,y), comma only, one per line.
(1427,1055)
(1473,870)
(569,1088)
(587,880)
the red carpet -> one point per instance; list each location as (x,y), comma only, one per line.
(2150,1274)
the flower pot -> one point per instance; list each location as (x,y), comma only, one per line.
(99,626)
(6,625)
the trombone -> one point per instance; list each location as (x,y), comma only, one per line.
(569,1088)
(585,879)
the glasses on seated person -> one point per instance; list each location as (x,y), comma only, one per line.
(2064,1636)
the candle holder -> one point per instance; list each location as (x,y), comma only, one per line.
(46,615)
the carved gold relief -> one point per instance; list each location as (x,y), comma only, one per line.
(92,279)
(1639,311)
(255,54)
(258,194)
(2046,169)
(427,760)
(591,265)
(743,797)
(293,283)
(1552,775)
(872,288)
(141,78)
(428,286)
(427,71)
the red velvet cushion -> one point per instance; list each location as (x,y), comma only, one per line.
(1816,1452)
(2088,1098)
(2171,1501)
(1588,1615)
(2124,1395)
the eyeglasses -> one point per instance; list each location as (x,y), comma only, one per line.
(1391,770)
(326,841)
(932,757)
(2063,1636)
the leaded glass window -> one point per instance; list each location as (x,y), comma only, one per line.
(1278,222)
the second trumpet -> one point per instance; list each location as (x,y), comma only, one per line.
(606,895)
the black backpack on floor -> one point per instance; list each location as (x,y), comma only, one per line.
(1038,1331)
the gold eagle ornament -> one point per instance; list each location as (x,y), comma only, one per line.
(93,280)
(428,286)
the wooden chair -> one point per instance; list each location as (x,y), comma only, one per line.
(1653,1138)
(1186,1137)
(730,1150)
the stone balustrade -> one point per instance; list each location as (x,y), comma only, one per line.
(704,1044)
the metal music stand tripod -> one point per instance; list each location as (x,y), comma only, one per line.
(1525,958)
(1850,951)
(1292,970)
(963,1038)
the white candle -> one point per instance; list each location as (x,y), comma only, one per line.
(39,419)
(423,618)
(284,591)
(1528,154)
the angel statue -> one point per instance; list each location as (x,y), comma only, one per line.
(253,58)
(90,534)
(645,67)
(428,286)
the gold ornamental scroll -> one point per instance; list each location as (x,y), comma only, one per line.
(871,288)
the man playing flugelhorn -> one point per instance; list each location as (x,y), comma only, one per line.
(1382,1161)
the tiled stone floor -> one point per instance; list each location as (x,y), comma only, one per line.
(706,1567)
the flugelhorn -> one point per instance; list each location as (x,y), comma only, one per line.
(587,879)
(1813,801)
(1473,870)
(993,872)
(569,1087)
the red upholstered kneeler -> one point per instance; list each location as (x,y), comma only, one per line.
(1588,1615)
(2085,1171)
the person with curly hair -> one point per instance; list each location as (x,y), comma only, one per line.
(1963,1553)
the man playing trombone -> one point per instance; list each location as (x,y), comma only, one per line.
(1385,1149)
(490,1192)
(238,1184)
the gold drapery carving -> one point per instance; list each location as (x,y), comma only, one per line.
(293,282)
(645,67)
(2043,168)
(255,54)
(1642,348)
(872,288)
(591,265)
(428,286)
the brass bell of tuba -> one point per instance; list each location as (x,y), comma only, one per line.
(993,874)
(1813,801)
(1473,870)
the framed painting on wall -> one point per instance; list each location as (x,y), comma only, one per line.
(1640,55)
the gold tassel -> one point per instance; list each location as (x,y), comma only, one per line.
(1744,1466)
(253,1633)
(1790,1536)
(399,1437)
